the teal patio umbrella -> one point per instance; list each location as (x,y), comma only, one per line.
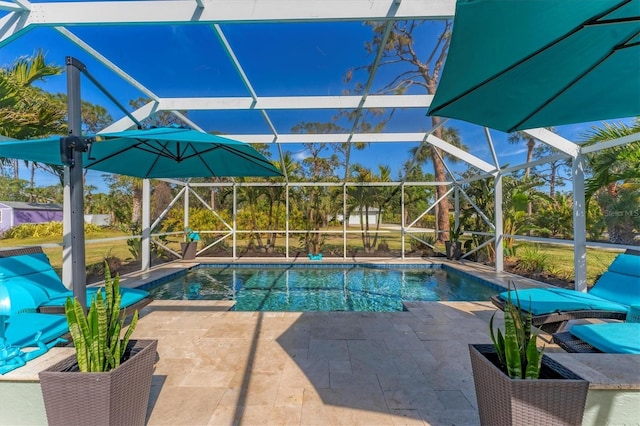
(523,64)
(154,153)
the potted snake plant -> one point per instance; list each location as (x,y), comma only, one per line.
(453,245)
(108,380)
(189,247)
(517,384)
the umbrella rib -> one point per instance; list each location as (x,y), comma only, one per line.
(252,158)
(590,21)
(113,154)
(566,87)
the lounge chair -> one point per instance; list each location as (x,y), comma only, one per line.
(611,297)
(22,330)
(36,287)
(616,337)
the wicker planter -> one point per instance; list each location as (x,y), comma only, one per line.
(117,397)
(557,398)
(189,250)
(453,249)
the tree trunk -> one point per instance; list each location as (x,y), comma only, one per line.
(531,143)
(32,180)
(552,181)
(136,204)
(440,175)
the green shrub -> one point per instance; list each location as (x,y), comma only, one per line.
(532,260)
(44,230)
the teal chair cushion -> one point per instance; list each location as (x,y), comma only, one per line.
(24,329)
(25,264)
(620,288)
(540,301)
(33,283)
(627,264)
(129,296)
(20,296)
(617,338)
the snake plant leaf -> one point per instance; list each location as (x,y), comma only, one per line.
(534,359)
(96,334)
(512,347)
(132,326)
(498,342)
(80,343)
(101,316)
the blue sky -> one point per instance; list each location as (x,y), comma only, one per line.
(292,59)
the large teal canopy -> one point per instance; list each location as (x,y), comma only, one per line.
(154,153)
(524,64)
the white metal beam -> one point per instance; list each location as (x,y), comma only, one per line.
(12,25)
(7,5)
(555,140)
(329,138)
(221,11)
(295,102)
(106,62)
(463,155)
(579,225)
(635,137)
(140,114)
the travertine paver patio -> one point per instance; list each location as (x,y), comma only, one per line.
(224,367)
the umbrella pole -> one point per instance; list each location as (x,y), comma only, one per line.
(76,192)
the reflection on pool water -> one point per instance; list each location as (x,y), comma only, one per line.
(323,287)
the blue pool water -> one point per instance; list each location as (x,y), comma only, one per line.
(322,288)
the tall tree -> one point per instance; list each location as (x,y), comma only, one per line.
(422,69)
(516,138)
(551,173)
(426,153)
(27,111)
(615,181)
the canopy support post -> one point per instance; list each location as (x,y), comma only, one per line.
(145,249)
(344,220)
(286,203)
(73,240)
(498,222)
(579,224)
(186,211)
(456,207)
(235,220)
(402,220)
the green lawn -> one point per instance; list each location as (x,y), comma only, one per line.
(95,253)
(560,258)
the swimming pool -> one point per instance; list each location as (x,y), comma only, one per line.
(323,287)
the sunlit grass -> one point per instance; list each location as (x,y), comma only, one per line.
(560,258)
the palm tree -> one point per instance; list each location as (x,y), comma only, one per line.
(516,138)
(426,153)
(28,111)
(364,198)
(424,71)
(616,181)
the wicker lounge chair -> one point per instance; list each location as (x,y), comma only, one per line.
(36,287)
(621,338)
(610,298)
